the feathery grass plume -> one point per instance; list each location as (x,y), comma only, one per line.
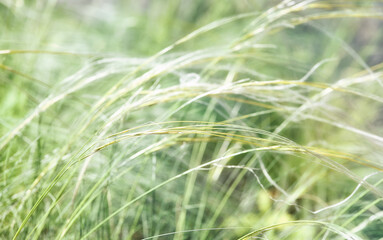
(191,119)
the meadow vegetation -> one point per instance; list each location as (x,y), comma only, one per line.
(197,119)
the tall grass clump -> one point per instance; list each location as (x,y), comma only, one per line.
(191,119)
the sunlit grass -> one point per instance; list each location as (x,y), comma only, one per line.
(254,121)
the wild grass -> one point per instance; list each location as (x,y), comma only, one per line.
(191,120)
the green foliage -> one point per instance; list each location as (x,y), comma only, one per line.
(191,119)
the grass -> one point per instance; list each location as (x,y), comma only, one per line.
(191,120)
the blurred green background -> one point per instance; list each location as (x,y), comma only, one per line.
(301,79)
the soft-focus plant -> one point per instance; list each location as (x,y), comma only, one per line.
(191,119)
